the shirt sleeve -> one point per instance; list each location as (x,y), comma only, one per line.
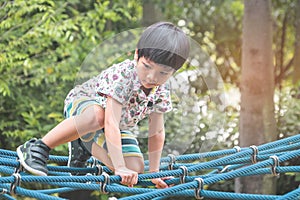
(163,103)
(114,83)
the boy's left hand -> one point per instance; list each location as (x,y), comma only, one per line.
(160,183)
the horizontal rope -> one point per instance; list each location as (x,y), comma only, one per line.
(211,167)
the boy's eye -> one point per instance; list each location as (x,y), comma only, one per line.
(164,73)
(147,66)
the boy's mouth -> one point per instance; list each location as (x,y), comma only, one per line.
(150,85)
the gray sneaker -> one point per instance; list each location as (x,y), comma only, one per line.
(33,156)
(78,155)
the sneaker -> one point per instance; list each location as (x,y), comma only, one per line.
(33,156)
(78,155)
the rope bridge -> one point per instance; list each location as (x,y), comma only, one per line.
(191,177)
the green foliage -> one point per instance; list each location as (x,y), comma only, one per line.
(288,110)
(42,46)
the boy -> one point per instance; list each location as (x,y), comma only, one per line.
(115,100)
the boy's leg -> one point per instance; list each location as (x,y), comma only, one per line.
(132,154)
(89,120)
(33,154)
(80,150)
(135,163)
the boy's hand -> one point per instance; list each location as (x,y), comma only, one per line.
(160,183)
(128,176)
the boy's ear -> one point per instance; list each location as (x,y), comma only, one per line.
(136,56)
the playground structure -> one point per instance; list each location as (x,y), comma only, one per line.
(191,172)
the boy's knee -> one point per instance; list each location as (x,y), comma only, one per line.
(135,163)
(93,117)
(99,115)
(139,169)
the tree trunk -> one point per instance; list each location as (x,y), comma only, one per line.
(150,13)
(296,74)
(257,121)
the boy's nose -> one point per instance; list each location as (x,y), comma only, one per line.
(152,78)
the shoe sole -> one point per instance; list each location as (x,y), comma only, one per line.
(27,167)
(70,155)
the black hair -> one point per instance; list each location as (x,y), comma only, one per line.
(164,43)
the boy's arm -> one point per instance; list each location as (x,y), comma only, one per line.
(113,140)
(156,141)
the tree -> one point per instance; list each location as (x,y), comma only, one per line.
(42,46)
(151,13)
(257,121)
(296,73)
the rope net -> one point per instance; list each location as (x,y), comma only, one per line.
(192,173)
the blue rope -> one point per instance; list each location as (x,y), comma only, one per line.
(224,165)
(29,193)
(291,195)
(224,195)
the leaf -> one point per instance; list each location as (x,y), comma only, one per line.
(4,88)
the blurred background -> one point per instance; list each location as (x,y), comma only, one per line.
(240,86)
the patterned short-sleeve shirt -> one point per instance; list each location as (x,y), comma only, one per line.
(121,82)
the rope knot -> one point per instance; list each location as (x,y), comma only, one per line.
(172,161)
(16,183)
(184,173)
(276,164)
(104,183)
(200,187)
(255,153)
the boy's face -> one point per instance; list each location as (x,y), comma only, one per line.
(152,74)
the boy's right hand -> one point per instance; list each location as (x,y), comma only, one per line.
(129,177)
